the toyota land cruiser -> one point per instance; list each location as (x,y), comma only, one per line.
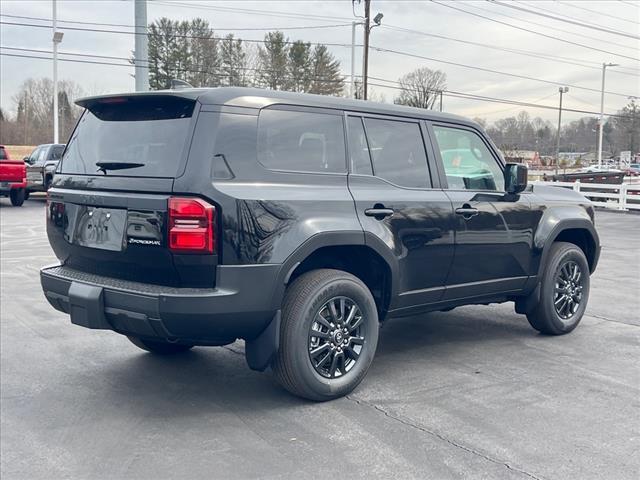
(299,223)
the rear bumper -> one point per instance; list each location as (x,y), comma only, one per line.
(6,187)
(242,305)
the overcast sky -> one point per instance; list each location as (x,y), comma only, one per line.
(422,16)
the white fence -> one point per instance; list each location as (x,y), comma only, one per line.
(624,196)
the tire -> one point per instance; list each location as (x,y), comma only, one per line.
(159,348)
(17,196)
(307,310)
(26,194)
(554,315)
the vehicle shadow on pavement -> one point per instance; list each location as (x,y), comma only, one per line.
(218,377)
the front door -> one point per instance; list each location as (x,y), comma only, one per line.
(493,231)
(391,184)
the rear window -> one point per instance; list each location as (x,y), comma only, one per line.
(151,131)
(301,141)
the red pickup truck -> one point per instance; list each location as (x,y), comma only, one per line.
(13,178)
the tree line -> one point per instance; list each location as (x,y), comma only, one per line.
(189,50)
(521,132)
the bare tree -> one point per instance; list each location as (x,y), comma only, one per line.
(421,88)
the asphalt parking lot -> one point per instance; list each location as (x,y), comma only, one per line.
(471,393)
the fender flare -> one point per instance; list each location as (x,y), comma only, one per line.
(545,240)
(333,239)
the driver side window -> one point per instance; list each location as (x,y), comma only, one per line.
(468,163)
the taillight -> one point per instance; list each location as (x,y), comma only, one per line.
(191,225)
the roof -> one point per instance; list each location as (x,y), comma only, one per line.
(261,98)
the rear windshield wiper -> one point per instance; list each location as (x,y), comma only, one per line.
(104,166)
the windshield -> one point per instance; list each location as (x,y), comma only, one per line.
(149,131)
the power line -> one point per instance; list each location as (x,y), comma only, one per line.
(450,93)
(534,32)
(563,60)
(497,72)
(461,95)
(553,58)
(487,70)
(307,27)
(568,4)
(270,13)
(122,32)
(565,20)
(548,27)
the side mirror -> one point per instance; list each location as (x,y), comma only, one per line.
(515,178)
(27,160)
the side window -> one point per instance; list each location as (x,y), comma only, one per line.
(3,155)
(56,153)
(301,141)
(33,157)
(358,148)
(398,153)
(468,163)
(42,156)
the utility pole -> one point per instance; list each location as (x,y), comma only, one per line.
(562,91)
(141,53)
(57,38)
(601,122)
(367,32)
(440,100)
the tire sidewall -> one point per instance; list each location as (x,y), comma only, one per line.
(565,255)
(313,381)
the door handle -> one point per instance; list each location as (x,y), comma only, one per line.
(378,213)
(467,212)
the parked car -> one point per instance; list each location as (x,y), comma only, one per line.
(299,223)
(633,170)
(41,165)
(12,178)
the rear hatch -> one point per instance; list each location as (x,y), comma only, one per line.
(111,211)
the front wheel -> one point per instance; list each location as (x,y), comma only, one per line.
(564,291)
(159,348)
(17,196)
(328,337)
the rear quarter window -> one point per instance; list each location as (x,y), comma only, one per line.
(301,141)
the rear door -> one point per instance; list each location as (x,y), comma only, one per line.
(108,207)
(396,202)
(493,231)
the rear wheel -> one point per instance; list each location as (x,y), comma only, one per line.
(564,291)
(158,347)
(329,334)
(17,196)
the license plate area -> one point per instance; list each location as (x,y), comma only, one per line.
(101,228)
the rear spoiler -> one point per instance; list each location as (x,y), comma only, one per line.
(186,93)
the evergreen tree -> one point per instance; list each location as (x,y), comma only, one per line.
(273,60)
(233,63)
(325,70)
(299,67)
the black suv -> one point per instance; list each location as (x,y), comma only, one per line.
(41,165)
(299,223)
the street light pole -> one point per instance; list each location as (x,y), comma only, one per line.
(56,39)
(601,122)
(562,91)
